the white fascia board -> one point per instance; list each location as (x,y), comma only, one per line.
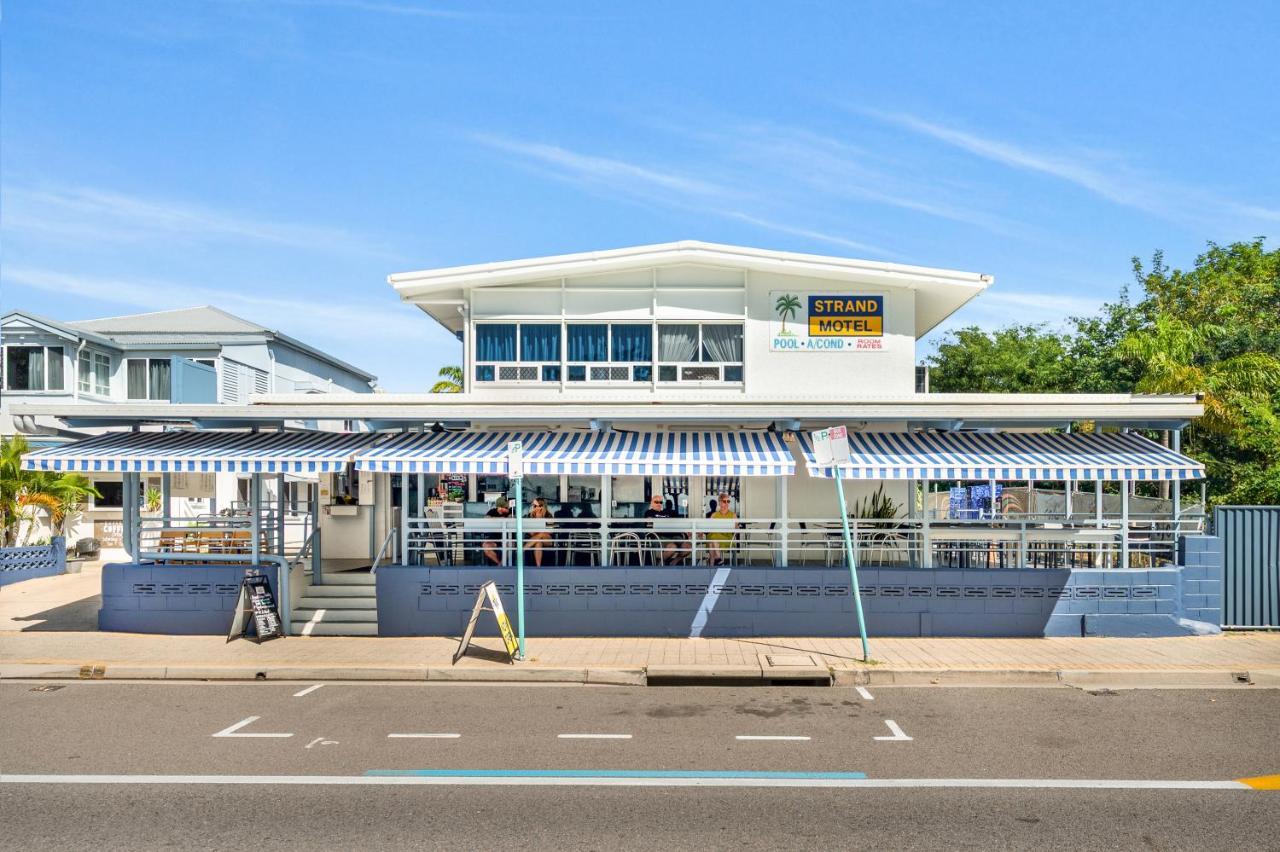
(413,284)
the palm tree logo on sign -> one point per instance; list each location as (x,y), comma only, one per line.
(786,305)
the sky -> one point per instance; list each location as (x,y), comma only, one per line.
(280,158)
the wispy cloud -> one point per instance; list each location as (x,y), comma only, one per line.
(88,213)
(663,186)
(1107,177)
(399,9)
(316,320)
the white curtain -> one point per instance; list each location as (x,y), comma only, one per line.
(722,343)
(677,342)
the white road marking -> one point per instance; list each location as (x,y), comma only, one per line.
(898,735)
(307,691)
(727,781)
(424,736)
(789,739)
(862,690)
(594,736)
(231,731)
(315,619)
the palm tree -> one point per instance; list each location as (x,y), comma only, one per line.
(1179,358)
(450,380)
(786,306)
(62,495)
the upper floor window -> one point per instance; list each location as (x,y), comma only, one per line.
(610,352)
(524,352)
(33,368)
(148,378)
(94,374)
(700,352)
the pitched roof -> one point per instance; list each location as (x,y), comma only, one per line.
(205,319)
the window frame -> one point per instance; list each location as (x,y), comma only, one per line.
(699,363)
(45,349)
(87,379)
(146,361)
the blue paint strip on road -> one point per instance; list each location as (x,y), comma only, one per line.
(610,773)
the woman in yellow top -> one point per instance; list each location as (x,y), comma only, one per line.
(540,539)
(718,540)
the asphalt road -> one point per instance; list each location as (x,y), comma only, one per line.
(502,767)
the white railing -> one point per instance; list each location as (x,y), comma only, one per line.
(795,542)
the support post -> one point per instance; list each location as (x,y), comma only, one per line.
(255,514)
(520,561)
(780,506)
(280,514)
(1124,525)
(165,508)
(606,517)
(317,570)
(1176,485)
(131,510)
(851,554)
(404,519)
(926,541)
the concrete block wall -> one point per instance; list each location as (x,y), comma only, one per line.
(1202,579)
(420,601)
(27,563)
(192,600)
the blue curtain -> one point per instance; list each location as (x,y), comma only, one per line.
(632,343)
(496,342)
(539,342)
(588,343)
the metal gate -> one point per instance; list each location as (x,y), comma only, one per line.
(1250,538)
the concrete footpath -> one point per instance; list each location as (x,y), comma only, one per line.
(1190,661)
(47,631)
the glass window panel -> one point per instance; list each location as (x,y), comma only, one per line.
(136,370)
(722,343)
(550,373)
(642,374)
(84,372)
(699,374)
(677,342)
(496,342)
(55,367)
(539,342)
(588,343)
(632,343)
(24,368)
(577,373)
(101,374)
(666,373)
(733,372)
(484,372)
(158,374)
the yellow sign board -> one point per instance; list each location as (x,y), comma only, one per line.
(488,593)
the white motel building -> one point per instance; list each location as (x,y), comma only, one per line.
(663,398)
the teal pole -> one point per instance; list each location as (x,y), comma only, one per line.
(851,555)
(520,561)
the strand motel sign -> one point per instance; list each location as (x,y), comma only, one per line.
(826,322)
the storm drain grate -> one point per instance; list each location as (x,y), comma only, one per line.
(780,660)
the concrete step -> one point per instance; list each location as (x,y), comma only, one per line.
(348,578)
(342,591)
(302,616)
(335,629)
(351,602)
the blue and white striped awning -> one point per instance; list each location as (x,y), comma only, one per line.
(1110,456)
(203,452)
(607,453)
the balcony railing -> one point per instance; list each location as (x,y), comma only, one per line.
(966,544)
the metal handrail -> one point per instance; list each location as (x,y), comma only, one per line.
(382,550)
(306,548)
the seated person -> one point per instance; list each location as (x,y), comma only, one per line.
(675,545)
(493,540)
(539,539)
(717,541)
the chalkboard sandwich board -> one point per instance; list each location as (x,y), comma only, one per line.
(256,616)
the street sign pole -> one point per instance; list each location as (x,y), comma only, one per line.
(831,448)
(515,470)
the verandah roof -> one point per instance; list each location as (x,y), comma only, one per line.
(204,452)
(1109,456)
(605,453)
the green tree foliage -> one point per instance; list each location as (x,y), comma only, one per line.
(1212,330)
(450,380)
(61,495)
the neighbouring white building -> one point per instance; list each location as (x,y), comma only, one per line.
(199,355)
